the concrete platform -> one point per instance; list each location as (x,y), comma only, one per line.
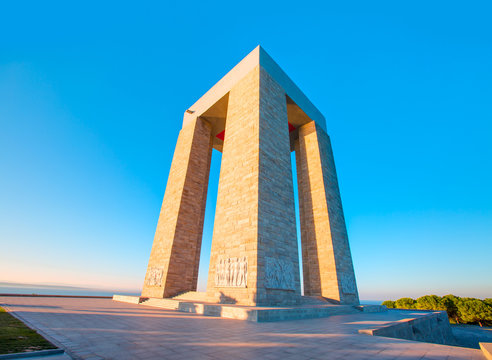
(106,329)
(251,313)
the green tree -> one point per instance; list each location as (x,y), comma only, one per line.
(405,303)
(474,311)
(390,304)
(429,302)
(450,304)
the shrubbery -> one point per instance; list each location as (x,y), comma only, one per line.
(460,310)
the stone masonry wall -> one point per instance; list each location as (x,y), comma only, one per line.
(174,259)
(327,262)
(433,328)
(255,205)
(236,212)
(277,234)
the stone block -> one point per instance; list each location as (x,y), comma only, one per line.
(175,254)
(327,263)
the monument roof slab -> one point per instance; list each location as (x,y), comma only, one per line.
(213,103)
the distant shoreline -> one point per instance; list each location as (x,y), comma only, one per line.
(20,289)
(59,290)
(64,296)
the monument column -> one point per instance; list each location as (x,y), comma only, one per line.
(254,258)
(175,255)
(326,259)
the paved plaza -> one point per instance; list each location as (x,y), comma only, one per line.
(104,329)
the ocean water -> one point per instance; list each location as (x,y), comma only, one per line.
(37,289)
(371,302)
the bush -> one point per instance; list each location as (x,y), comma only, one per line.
(460,310)
(405,303)
(450,304)
(429,302)
(475,311)
(389,304)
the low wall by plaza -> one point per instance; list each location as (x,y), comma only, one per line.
(128,299)
(433,327)
(486,350)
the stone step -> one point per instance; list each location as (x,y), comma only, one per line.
(161,303)
(301,312)
(314,300)
(127,298)
(372,308)
(192,296)
(315,309)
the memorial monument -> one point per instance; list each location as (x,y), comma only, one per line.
(256,116)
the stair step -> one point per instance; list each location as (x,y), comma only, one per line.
(162,303)
(314,300)
(192,295)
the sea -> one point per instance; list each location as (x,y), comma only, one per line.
(52,289)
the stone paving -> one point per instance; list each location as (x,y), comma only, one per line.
(104,329)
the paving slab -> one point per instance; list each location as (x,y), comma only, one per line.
(104,329)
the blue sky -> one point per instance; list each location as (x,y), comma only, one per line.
(92,97)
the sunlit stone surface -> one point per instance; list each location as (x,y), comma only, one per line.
(256,116)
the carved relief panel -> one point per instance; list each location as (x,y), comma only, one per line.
(279,274)
(232,272)
(154,276)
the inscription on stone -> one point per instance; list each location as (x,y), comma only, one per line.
(279,274)
(348,283)
(154,276)
(232,272)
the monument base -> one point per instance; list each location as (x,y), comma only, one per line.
(311,309)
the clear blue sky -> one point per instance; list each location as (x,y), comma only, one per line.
(92,97)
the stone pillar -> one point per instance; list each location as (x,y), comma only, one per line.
(254,258)
(326,259)
(175,255)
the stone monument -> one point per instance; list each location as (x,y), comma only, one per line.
(256,116)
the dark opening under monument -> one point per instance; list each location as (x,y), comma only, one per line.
(256,116)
